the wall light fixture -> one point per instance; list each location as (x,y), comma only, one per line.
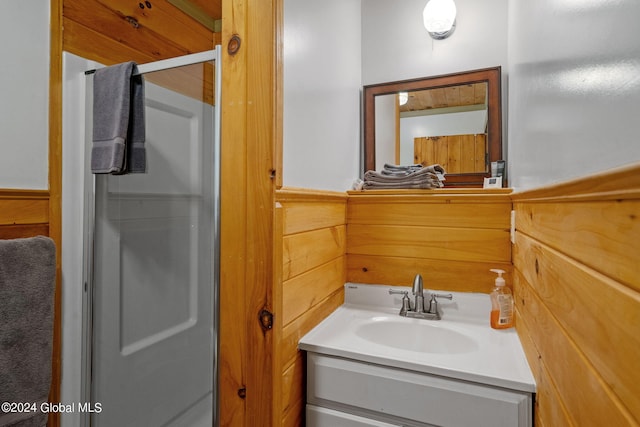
(440,18)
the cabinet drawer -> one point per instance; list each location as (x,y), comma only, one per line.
(390,393)
(323,417)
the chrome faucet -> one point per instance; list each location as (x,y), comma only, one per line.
(418,292)
(418,309)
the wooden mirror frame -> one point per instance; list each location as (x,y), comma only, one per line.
(492,76)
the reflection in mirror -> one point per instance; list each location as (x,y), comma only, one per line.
(451,120)
(434,124)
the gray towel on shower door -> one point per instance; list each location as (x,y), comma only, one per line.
(27,284)
(118,120)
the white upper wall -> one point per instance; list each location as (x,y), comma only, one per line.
(321,130)
(574,88)
(332,48)
(396,46)
(24,103)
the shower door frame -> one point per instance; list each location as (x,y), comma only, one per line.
(90,220)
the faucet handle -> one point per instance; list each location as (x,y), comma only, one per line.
(406,304)
(433,303)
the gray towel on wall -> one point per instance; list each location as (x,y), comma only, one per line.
(27,284)
(118,120)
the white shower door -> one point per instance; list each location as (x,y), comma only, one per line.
(153,292)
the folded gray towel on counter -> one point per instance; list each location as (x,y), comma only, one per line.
(413,177)
(118,120)
(408,169)
(389,169)
(27,285)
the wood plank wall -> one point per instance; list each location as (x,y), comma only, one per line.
(455,153)
(23,213)
(309,247)
(451,237)
(577,287)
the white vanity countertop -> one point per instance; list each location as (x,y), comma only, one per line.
(479,353)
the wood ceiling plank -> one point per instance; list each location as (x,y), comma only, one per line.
(213,8)
(163,31)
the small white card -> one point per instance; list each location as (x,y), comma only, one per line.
(493,182)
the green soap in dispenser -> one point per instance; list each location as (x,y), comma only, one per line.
(501,304)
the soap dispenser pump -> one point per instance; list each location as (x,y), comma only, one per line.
(501,304)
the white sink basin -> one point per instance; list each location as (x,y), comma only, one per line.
(416,336)
(462,345)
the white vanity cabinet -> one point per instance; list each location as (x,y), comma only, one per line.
(369,366)
(319,416)
(343,392)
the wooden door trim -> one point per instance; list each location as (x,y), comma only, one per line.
(249,168)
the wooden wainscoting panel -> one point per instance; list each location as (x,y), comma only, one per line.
(463,244)
(588,399)
(452,275)
(596,233)
(302,292)
(453,214)
(24,213)
(577,293)
(295,416)
(451,236)
(293,383)
(437,195)
(22,231)
(304,216)
(295,330)
(304,251)
(616,184)
(601,314)
(311,253)
(549,409)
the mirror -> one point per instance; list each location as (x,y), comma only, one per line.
(454,120)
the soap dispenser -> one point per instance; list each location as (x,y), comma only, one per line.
(501,304)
